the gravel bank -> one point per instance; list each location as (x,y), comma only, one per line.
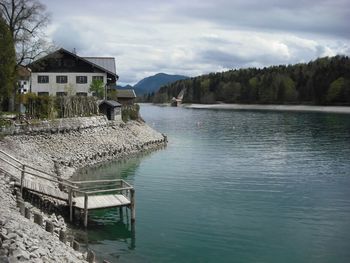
(64,148)
(76,147)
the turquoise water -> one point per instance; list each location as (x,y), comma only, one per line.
(234,186)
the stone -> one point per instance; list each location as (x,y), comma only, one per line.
(38,219)
(90,256)
(33,248)
(21,254)
(76,245)
(49,227)
(63,236)
(3,234)
(12,247)
(7,243)
(42,252)
(12,236)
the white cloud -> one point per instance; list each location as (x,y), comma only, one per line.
(196,37)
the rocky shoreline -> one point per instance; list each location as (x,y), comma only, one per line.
(61,148)
(21,240)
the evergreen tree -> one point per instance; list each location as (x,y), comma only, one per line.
(323,81)
(7,65)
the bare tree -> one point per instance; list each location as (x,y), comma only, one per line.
(26,20)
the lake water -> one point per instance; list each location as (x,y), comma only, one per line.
(234,186)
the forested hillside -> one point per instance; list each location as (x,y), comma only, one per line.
(324,81)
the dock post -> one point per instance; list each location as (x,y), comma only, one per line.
(75,245)
(70,200)
(132,204)
(133,237)
(21,207)
(27,213)
(22,178)
(121,215)
(63,236)
(86,210)
(49,227)
(38,219)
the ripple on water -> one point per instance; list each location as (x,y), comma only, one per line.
(235,186)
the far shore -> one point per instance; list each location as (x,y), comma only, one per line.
(306,108)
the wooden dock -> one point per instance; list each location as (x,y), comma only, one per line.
(102,201)
(82,195)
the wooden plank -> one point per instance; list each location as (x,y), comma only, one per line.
(45,190)
(102,201)
(123,199)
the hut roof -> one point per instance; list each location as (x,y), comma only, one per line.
(111,103)
(126,93)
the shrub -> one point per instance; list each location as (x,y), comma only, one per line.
(130,112)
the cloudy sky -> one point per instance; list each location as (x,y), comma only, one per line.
(193,37)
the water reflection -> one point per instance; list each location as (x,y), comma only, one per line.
(110,227)
(126,168)
(275,188)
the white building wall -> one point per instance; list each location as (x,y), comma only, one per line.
(71,87)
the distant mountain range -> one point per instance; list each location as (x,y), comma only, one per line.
(153,83)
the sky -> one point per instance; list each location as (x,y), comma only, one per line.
(195,37)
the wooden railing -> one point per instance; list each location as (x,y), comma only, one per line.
(96,187)
(26,169)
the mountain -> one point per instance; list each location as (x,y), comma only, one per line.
(153,83)
(125,87)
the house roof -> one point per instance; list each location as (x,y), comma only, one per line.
(126,93)
(94,61)
(111,103)
(105,62)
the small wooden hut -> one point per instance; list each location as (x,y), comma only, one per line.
(110,108)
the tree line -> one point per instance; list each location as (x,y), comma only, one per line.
(324,81)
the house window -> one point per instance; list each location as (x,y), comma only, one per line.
(61,94)
(81,79)
(61,79)
(82,94)
(43,94)
(97,78)
(43,79)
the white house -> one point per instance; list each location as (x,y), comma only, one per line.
(65,73)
